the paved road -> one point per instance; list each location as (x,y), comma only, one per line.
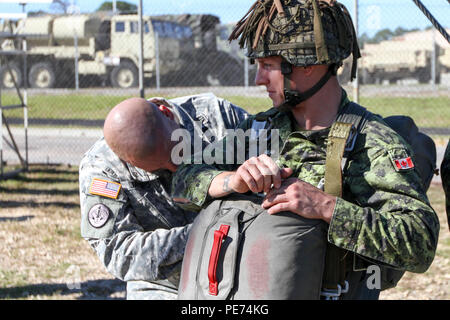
(67,146)
(51,145)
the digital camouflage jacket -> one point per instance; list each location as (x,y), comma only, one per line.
(127,214)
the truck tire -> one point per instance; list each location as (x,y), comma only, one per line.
(41,75)
(6,80)
(124,75)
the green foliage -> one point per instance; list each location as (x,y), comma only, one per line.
(122,6)
(384,34)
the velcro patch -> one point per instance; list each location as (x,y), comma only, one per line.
(404,163)
(400,159)
(105,188)
(98,215)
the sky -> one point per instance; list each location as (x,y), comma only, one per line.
(373,14)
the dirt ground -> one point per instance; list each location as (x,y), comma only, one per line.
(42,254)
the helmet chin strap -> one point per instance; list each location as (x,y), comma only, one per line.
(294,97)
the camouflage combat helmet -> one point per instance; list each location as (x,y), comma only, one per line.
(303,33)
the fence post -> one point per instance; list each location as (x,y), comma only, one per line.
(356,81)
(141,52)
(158,83)
(75,43)
(433,60)
(246,72)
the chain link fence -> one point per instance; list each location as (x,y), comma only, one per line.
(79,66)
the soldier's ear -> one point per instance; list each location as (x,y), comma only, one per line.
(166,111)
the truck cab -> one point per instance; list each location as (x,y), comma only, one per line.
(172,40)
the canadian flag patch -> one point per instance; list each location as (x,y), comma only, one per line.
(404,163)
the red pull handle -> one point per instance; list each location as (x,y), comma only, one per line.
(219,235)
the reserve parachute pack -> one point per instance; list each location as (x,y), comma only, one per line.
(236,250)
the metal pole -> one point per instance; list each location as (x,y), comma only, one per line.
(75,42)
(433,60)
(432,19)
(356,81)
(246,72)
(141,52)
(114,6)
(158,80)
(25,104)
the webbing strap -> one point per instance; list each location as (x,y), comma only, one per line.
(334,258)
(341,138)
(294,97)
(337,139)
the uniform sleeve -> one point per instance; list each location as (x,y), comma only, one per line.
(125,249)
(389,219)
(235,114)
(191,182)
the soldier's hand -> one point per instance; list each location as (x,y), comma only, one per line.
(301,198)
(258,174)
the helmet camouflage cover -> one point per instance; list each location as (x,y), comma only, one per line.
(303,32)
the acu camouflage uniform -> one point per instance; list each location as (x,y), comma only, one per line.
(384,214)
(143,238)
(445,175)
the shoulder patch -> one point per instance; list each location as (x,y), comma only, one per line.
(98,215)
(401,160)
(404,163)
(105,188)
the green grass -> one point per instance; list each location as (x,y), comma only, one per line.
(426,111)
(70,106)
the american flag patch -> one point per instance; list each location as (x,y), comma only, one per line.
(105,188)
(403,164)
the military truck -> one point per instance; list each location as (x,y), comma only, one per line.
(406,56)
(106,46)
(210,63)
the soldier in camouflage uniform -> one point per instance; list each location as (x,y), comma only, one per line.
(445,175)
(383,214)
(127,214)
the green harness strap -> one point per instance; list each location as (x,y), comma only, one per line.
(341,138)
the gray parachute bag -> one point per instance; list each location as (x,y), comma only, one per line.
(236,250)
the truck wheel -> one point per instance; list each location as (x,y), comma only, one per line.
(125,75)
(6,78)
(41,75)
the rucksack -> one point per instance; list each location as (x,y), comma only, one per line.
(236,250)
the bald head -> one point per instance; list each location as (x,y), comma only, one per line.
(136,131)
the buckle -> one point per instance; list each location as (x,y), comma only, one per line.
(334,294)
(351,139)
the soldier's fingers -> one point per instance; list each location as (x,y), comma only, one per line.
(274,199)
(248,179)
(282,206)
(286,172)
(258,177)
(273,169)
(159,101)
